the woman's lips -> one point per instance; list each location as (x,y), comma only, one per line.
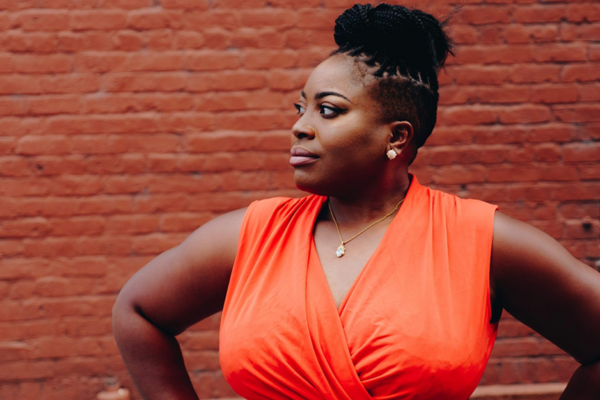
(301,160)
(302,156)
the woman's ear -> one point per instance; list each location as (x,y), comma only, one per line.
(401,135)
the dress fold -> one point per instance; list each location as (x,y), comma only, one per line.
(414,325)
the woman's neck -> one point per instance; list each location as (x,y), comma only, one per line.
(370,203)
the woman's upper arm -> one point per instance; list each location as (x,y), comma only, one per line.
(187,283)
(536,280)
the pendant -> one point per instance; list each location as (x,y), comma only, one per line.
(340,251)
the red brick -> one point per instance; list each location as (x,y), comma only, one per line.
(266,59)
(35,145)
(31,42)
(43,64)
(513,174)
(524,114)
(534,73)
(551,132)
(154,244)
(6,63)
(469,115)
(581,73)
(56,104)
(589,172)
(572,32)
(27,370)
(170,202)
(124,184)
(77,226)
(98,20)
(152,19)
(145,82)
(267,38)
(155,61)
(463,34)
(578,152)
(30,227)
(279,79)
(38,20)
(548,152)
(583,12)
(228,81)
(482,15)
(239,4)
(132,224)
(70,83)
(559,53)
(87,306)
(100,61)
(189,40)
(579,210)
(504,94)
(554,94)
(293,4)
(159,39)
(16,166)
(560,173)
(317,19)
(217,38)
(10,248)
(480,75)
(82,185)
(137,103)
(212,60)
(127,41)
(577,113)
(128,4)
(185,4)
(278,18)
(8,145)
(576,230)
(538,14)
(222,19)
(86,41)
(187,222)
(459,175)
(530,34)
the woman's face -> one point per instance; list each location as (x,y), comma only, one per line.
(338,142)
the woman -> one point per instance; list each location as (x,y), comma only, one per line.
(374,287)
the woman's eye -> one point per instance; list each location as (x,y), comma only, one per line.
(329,111)
(299,108)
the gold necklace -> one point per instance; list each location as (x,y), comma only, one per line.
(342,249)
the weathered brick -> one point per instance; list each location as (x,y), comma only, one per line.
(126,124)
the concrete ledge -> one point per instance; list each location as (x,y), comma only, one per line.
(537,391)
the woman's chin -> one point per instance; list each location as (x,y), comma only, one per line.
(312,185)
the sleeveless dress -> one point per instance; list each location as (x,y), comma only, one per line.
(414,324)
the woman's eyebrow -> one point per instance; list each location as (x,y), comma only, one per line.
(320,95)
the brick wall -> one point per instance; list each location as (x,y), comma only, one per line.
(125,124)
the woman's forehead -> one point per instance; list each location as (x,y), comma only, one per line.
(338,74)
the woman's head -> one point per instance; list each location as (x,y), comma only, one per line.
(403,51)
(384,79)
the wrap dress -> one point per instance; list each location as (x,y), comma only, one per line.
(414,325)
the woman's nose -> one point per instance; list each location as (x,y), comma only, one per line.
(302,130)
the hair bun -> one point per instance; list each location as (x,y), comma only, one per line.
(395,34)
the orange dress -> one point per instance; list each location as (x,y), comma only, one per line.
(414,325)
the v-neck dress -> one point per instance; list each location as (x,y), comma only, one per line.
(414,324)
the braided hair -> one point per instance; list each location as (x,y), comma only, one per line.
(404,50)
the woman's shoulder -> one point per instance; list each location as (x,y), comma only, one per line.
(463,210)
(278,205)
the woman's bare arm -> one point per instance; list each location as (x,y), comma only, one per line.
(535,279)
(172,292)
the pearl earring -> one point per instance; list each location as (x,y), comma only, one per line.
(391,154)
